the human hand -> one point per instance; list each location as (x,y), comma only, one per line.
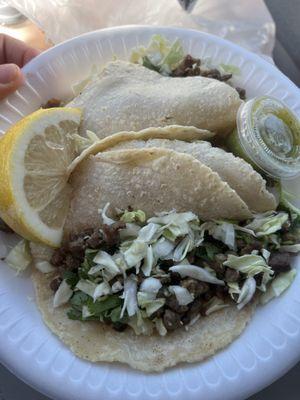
(14,54)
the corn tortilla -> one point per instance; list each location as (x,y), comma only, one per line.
(97,342)
(126,96)
(239,174)
(153,180)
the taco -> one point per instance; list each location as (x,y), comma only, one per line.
(239,174)
(153,270)
(170,179)
(126,96)
(155,180)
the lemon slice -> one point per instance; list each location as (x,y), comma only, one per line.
(35,154)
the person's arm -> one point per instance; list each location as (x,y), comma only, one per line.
(14,54)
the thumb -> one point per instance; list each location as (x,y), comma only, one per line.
(10,79)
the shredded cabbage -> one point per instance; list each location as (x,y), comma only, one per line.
(290,248)
(151,285)
(143,298)
(278,286)
(163,249)
(160,327)
(86,287)
(275,240)
(160,54)
(251,265)
(131,231)
(116,287)
(102,289)
(223,231)
(86,312)
(133,216)
(183,296)
(148,261)
(44,266)
(153,305)
(184,247)
(19,257)
(135,253)
(266,254)
(247,292)
(62,295)
(146,297)
(229,69)
(130,296)
(233,289)
(140,325)
(215,304)
(105,219)
(267,223)
(172,58)
(176,224)
(286,199)
(150,232)
(196,272)
(156,240)
(104,261)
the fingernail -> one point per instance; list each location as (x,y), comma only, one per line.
(8,73)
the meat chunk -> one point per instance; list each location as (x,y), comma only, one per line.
(172,303)
(95,241)
(241,92)
(72,262)
(280,262)
(58,257)
(55,283)
(77,247)
(195,308)
(111,233)
(195,287)
(171,320)
(231,275)
(175,278)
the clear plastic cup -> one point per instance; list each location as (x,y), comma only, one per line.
(268,137)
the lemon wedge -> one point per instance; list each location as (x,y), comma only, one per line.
(35,154)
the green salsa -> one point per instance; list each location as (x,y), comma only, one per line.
(268,137)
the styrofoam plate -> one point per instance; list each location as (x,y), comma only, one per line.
(270,344)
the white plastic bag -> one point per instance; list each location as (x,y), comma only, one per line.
(246,22)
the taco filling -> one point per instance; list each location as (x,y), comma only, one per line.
(166,272)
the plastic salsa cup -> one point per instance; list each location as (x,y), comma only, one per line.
(268,137)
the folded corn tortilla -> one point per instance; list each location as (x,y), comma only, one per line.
(239,174)
(128,96)
(153,180)
(186,133)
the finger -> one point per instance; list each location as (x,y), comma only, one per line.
(10,79)
(15,51)
(29,54)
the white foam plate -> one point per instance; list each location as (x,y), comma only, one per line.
(270,344)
